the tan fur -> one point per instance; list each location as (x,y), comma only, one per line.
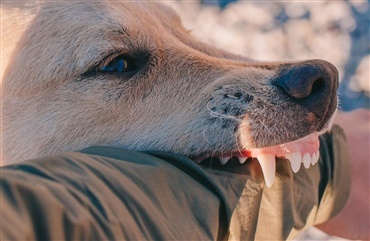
(53,101)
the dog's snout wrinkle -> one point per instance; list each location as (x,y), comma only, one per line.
(312,84)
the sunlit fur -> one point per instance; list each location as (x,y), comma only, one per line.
(182,102)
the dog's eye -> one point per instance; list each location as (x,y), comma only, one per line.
(119,65)
(125,65)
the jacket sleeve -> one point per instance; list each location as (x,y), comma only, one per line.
(105,193)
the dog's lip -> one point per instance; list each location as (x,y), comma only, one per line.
(304,150)
(306,144)
(309,143)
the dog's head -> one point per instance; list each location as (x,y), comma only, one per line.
(129,75)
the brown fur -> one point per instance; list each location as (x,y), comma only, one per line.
(181,102)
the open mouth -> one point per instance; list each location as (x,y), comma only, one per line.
(304,150)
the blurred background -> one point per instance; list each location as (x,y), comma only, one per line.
(336,31)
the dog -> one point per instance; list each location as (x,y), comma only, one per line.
(128,74)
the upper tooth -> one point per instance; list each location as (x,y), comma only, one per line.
(224,160)
(313,158)
(268,165)
(242,159)
(306,159)
(295,159)
(317,156)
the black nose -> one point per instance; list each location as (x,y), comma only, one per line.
(313,84)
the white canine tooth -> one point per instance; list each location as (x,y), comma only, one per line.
(317,156)
(242,159)
(224,160)
(295,160)
(306,159)
(268,165)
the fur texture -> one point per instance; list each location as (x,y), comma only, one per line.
(185,97)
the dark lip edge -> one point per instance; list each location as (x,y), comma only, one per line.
(214,155)
(230,166)
(217,156)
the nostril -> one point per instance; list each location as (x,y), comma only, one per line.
(318,85)
(311,84)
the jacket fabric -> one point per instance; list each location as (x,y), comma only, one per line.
(106,193)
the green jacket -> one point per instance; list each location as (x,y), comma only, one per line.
(105,193)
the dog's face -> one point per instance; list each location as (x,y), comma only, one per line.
(129,75)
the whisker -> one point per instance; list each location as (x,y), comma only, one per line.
(223,116)
(204,133)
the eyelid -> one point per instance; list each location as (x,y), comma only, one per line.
(109,58)
(140,58)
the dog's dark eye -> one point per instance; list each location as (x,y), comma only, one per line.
(123,65)
(120,65)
